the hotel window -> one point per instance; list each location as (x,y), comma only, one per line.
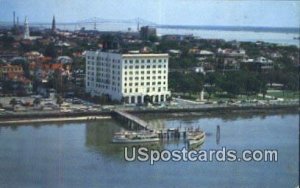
(154,66)
(148,66)
(142,72)
(125,67)
(136,72)
(159,66)
(148,77)
(154,60)
(148,60)
(136,66)
(142,66)
(136,61)
(130,84)
(159,89)
(130,61)
(136,78)
(148,72)
(159,60)
(130,90)
(142,84)
(153,72)
(153,89)
(153,83)
(142,78)
(125,61)
(148,89)
(153,77)
(136,84)
(148,83)
(130,78)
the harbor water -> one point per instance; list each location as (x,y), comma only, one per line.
(81,154)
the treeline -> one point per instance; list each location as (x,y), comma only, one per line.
(232,83)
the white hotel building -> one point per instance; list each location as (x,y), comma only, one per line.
(131,78)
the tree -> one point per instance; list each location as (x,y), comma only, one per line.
(13,102)
(36,101)
(50,51)
(59,100)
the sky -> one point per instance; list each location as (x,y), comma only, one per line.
(172,12)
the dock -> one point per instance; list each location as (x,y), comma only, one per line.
(132,122)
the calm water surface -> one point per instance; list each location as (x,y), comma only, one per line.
(82,155)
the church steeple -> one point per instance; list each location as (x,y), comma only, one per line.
(53,29)
(26,29)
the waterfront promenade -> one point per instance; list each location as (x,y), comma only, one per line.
(56,116)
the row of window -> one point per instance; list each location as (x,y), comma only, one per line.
(147,72)
(136,90)
(143,66)
(144,83)
(143,78)
(145,60)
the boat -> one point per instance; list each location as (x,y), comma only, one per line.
(195,138)
(135,137)
(296,38)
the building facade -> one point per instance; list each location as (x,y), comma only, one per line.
(131,78)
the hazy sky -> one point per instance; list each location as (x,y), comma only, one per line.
(181,12)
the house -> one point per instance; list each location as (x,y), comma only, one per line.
(259,63)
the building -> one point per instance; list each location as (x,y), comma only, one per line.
(259,63)
(147,32)
(26,29)
(131,78)
(5,70)
(53,28)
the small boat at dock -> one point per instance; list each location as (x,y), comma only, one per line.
(195,138)
(135,137)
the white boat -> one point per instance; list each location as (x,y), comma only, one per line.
(195,138)
(135,137)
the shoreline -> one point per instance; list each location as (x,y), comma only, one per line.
(61,119)
(94,116)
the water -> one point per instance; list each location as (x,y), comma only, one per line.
(245,36)
(276,37)
(81,154)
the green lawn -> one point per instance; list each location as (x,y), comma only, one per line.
(285,94)
(220,96)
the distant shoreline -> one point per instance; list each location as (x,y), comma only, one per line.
(294,30)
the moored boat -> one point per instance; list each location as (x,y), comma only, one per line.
(195,138)
(135,137)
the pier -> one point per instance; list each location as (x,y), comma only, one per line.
(135,123)
(130,121)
